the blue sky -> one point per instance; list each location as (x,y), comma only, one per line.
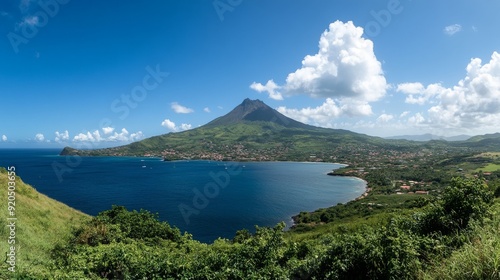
(104,73)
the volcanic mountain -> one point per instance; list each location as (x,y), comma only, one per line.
(251,131)
(256,110)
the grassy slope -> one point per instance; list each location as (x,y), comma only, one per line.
(359,214)
(478,259)
(489,167)
(41,223)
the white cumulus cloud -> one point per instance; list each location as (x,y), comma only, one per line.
(108,130)
(178,108)
(404,114)
(270,87)
(170,125)
(62,136)
(86,137)
(96,137)
(345,69)
(123,136)
(472,105)
(385,118)
(39,137)
(416,120)
(4,138)
(452,29)
(206,110)
(320,116)
(136,136)
(185,126)
(418,93)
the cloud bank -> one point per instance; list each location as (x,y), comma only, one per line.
(106,136)
(473,104)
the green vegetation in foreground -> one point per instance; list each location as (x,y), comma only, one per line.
(458,229)
(41,223)
(478,258)
(373,210)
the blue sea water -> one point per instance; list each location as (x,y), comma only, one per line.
(217,198)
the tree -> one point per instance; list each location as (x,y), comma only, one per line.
(463,200)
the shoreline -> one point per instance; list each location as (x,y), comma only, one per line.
(331,173)
(367,189)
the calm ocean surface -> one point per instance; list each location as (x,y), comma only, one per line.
(222,201)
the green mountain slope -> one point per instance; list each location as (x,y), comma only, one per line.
(40,223)
(486,142)
(247,140)
(251,131)
(478,138)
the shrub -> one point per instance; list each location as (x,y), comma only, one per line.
(139,225)
(462,201)
(478,259)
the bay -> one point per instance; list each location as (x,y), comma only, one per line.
(208,199)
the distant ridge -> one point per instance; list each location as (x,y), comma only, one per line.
(429,137)
(493,136)
(255,110)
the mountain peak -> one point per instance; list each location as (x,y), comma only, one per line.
(255,110)
(250,105)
